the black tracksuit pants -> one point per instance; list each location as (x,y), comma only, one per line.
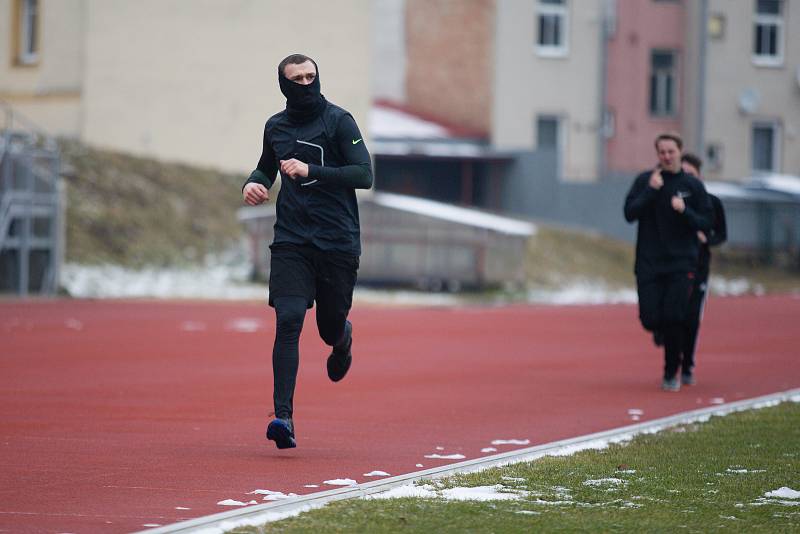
(664,306)
(299,276)
(697,304)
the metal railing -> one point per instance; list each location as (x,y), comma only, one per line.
(30,207)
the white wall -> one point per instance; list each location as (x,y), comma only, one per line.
(527,85)
(195,80)
(731,71)
(47,92)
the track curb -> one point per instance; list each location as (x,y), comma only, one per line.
(276,510)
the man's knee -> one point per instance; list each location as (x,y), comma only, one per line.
(331,331)
(290,314)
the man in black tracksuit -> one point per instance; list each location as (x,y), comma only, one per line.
(670,207)
(717,234)
(322,159)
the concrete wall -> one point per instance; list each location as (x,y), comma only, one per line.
(731,71)
(450,54)
(47,92)
(641,26)
(527,84)
(389,50)
(195,80)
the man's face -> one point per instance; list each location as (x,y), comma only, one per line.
(669,155)
(303,73)
(690,169)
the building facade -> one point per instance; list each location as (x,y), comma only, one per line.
(180,80)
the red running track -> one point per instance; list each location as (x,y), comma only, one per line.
(121,415)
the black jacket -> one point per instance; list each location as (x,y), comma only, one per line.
(716,235)
(320,210)
(666,241)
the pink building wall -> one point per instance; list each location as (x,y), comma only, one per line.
(642,25)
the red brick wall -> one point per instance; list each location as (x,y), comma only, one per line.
(450,47)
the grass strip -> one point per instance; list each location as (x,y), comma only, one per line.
(693,478)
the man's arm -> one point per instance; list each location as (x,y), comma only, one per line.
(699,213)
(267,167)
(263,176)
(719,230)
(357,172)
(641,194)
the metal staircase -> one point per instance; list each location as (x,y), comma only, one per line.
(31,215)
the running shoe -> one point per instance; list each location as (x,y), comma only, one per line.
(340,359)
(671,384)
(281,431)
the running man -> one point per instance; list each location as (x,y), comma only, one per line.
(322,159)
(717,234)
(670,207)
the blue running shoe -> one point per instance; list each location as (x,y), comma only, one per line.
(281,431)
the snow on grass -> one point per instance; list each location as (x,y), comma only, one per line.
(428,491)
(603,482)
(783,493)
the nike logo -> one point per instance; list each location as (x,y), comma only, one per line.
(356,141)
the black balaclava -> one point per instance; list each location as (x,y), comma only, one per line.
(303,102)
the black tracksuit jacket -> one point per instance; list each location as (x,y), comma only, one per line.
(717,234)
(666,240)
(320,210)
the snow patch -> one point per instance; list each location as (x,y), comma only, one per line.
(270,495)
(377,474)
(231,502)
(341,482)
(247,325)
(488,449)
(446,456)
(603,481)
(783,493)
(511,442)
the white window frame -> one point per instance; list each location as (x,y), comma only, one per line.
(775,126)
(661,85)
(759,19)
(29,15)
(561,11)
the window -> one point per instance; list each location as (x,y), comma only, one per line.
(28,32)
(552,28)
(714,157)
(765,147)
(768,33)
(547,131)
(662,83)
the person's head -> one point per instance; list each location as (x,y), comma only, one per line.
(668,148)
(691,164)
(298,68)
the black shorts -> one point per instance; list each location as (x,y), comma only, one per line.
(316,275)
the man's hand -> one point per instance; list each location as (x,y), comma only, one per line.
(656,181)
(254,194)
(678,204)
(702,237)
(294,168)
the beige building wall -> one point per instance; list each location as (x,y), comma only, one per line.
(731,72)
(195,80)
(48,91)
(527,84)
